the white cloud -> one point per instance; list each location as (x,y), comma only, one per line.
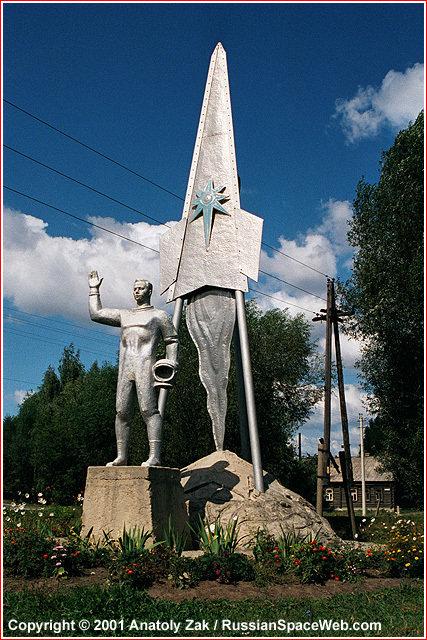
(48,275)
(398,100)
(313,430)
(20,394)
(335,224)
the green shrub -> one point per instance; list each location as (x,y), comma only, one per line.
(227,568)
(314,562)
(26,553)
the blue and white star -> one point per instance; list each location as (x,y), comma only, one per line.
(208,201)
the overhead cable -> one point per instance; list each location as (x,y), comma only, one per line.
(71,215)
(82,184)
(304,264)
(284,301)
(92,149)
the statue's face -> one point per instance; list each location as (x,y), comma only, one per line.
(142,291)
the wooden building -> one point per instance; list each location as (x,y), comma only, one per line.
(379,486)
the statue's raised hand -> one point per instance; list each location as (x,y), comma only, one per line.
(94,281)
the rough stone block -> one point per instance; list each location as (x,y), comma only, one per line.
(221,485)
(143,497)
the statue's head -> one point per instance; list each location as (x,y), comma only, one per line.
(142,290)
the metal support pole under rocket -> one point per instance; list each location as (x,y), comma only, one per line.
(207,257)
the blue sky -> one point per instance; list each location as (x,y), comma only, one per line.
(318,91)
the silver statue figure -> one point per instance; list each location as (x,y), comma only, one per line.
(141,330)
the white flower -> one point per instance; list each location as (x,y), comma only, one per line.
(18,524)
(8,519)
(19,493)
(364,520)
(356,535)
(13,504)
(40,514)
(51,515)
(27,495)
(212,527)
(372,519)
(39,495)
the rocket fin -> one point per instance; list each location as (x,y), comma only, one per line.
(249,229)
(170,246)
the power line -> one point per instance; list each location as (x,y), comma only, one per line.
(45,326)
(82,184)
(136,210)
(71,324)
(144,178)
(81,219)
(294,259)
(48,340)
(292,285)
(102,155)
(284,301)
(21,381)
(135,242)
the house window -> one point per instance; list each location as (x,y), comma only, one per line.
(329,495)
(368,494)
(378,495)
(354,494)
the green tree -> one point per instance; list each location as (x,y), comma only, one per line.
(386,291)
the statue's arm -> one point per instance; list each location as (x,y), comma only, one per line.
(170,338)
(96,311)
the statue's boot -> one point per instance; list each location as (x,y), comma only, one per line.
(122,437)
(154,430)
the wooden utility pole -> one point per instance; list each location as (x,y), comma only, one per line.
(336,317)
(362,465)
(333,317)
(324,451)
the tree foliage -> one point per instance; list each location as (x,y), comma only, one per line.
(386,291)
(68,424)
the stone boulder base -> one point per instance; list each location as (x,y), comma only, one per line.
(141,497)
(222,485)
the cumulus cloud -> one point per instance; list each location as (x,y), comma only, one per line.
(334,225)
(313,430)
(397,101)
(19,395)
(48,275)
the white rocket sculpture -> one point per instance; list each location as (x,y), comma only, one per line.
(207,257)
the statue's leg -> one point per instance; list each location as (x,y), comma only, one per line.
(125,403)
(154,430)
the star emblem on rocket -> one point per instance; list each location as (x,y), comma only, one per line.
(207,202)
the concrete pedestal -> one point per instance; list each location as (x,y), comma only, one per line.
(144,497)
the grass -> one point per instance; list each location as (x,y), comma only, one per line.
(399,610)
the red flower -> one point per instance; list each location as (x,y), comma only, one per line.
(45,555)
(336,578)
(324,558)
